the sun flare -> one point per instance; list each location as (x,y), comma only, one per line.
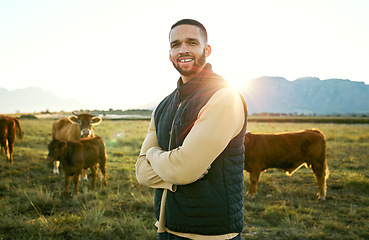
(237,84)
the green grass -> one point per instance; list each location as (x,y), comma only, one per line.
(32,206)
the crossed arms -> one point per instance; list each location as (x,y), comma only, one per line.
(218,122)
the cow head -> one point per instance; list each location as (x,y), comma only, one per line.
(85,121)
(56,149)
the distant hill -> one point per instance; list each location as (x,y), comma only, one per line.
(306,96)
(32,99)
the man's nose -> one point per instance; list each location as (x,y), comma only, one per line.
(183,49)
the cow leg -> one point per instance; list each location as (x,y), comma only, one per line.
(6,147)
(75,181)
(56,167)
(93,175)
(254,179)
(2,146)
(321,174)
(67,182)
(103,171)
(10,150)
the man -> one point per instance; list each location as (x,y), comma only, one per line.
(193,152)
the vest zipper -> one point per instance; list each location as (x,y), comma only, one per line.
(171,128)
(162,216)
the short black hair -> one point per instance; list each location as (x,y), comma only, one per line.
(194,23)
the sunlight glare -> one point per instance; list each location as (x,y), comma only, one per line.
(237,84)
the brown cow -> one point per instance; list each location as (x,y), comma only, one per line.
(288,152)
(8,128)
(74,128)
(77,155)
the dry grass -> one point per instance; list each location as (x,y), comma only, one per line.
(284,207)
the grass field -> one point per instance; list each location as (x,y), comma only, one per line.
(284,207)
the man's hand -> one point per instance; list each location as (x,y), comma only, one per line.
(206,172)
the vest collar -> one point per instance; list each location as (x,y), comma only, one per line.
(190,87)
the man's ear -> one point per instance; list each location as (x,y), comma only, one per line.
(207,51)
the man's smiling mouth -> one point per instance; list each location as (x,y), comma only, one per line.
(186,60)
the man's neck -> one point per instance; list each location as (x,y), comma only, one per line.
(189,77)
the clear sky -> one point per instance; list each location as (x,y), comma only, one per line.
(115,54)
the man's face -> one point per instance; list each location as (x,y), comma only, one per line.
(188,50)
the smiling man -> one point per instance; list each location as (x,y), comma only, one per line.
(193,154)
(188,50)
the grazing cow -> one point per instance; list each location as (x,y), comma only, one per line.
(288,152)
(77,155)
(8,128)
(73,128)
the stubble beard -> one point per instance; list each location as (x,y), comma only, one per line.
(198,63)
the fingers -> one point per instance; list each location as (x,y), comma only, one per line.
(206,172)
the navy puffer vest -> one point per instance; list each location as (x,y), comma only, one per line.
(214,204)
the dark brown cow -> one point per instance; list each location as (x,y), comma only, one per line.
(77,155)
(8,128)
(288,152)
(74,128)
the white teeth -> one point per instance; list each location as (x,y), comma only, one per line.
(185,60)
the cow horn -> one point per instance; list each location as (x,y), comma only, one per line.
(92,115)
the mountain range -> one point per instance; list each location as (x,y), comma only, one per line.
(307,96)
(31,99)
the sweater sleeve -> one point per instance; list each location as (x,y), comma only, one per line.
(218,122)
(144,172)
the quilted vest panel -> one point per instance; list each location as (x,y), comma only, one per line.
(214,204)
